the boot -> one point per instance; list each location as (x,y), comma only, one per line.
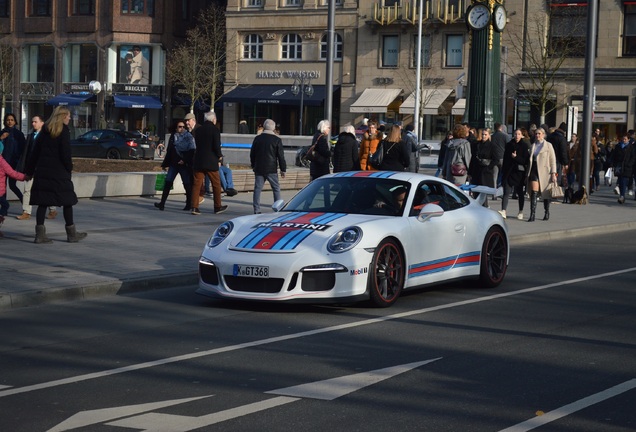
(40,235)
(546,207)
(73,236)
(188,192)
(533,205)
(164,195)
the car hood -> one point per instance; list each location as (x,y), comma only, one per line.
(288,232)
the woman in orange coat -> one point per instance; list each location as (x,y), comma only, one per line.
(369,143)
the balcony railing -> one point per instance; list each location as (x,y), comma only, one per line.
(440,11)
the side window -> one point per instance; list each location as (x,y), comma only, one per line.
(432,192)
(454,199)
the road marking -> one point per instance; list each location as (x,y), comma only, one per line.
(566,410)
(229,348)
(329,389)
(337,387)
(88,418)
(4,387)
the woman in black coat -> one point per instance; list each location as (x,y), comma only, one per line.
(319,166)
(345,154)
(515,164)
(51,166)
(397,156)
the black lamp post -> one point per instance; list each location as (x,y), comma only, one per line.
(302,85)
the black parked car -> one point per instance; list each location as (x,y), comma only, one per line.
(112,144)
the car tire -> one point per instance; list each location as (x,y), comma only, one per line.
(113,153)
(494,257)
(386,278)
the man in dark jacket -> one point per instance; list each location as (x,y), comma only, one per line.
(266,156)
(561,147)
(499,139)
(345,153)
(206,162)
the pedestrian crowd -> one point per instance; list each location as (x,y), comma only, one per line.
(526,165)
(534,161)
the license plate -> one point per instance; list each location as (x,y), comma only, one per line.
(251,271)
(145,146)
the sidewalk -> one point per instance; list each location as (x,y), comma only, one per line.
(131,246)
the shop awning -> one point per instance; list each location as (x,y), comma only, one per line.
(374,100)
(274,94)
(432,98)
(123,101)
(70,99)
(459,107)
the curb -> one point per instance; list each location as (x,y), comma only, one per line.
(96,290)
(141,284)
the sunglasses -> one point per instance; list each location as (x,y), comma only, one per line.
(180,126)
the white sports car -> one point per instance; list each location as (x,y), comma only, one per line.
(357,235)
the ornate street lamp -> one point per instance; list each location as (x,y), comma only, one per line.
(302,85)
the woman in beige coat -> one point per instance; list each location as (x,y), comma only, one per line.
(542,171)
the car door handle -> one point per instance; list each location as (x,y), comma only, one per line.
(459,228)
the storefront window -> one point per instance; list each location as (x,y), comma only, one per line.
(38,63)
(426,51)
(80,63)
(134,64)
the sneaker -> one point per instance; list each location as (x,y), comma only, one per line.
(616,190)
(195,211)
(502,213)
(52,214)
(24,216)
(221,209)
(231,192)
(201,199)
(520,216)
(630,193)
(621,200)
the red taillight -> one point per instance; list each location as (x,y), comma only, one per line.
(131,143)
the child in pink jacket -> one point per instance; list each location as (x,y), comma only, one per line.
(6,170)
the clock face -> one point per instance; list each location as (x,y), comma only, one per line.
(500,17)
(478,16)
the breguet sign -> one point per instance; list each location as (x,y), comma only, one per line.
(290,74)
(137,89)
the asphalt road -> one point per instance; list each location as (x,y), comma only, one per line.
(552,349)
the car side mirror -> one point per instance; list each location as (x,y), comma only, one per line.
(278,205)
(430,211)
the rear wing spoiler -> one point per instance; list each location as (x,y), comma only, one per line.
(482,191)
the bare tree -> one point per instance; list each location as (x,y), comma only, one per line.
(541,51)
(199,63)
(6,75)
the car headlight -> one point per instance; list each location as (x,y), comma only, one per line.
(344,240)
(220,234)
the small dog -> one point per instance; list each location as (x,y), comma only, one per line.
(567,195)
(579,197)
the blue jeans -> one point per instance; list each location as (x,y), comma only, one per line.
(225,174)
(622,185)
(259,182)
(4,205)
(183,171)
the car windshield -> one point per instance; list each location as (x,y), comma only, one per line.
(353,195)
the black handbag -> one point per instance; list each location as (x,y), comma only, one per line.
(376,158)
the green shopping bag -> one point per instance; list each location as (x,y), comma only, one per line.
(160,181)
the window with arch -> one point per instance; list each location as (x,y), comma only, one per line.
(292,47)
(337,51)
(253,47)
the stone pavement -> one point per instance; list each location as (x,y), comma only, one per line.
(132,246)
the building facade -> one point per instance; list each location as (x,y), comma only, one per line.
(272,43)
(61,46)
